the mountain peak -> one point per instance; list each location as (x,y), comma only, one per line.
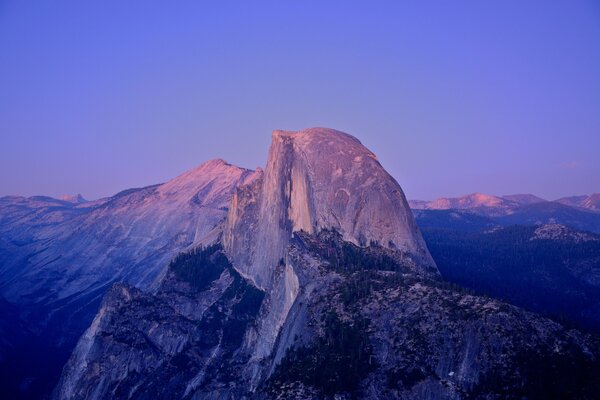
(211,179)
(469,201)
(75,199)
(482,197)
(315,179)
(314,133)
(330,140)
(217,163)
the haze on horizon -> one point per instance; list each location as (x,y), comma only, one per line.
(453,98)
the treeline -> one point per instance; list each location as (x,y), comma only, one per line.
(347,257)
(335,363)
(201,266)
(544,276)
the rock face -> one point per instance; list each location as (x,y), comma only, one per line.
(189,335)
(315,179)
(321,287)
(386,335)
(318,179)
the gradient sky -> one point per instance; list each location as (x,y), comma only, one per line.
(454,97)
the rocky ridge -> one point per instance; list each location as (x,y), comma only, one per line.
(589,202)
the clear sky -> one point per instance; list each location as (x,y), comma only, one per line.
(453,96)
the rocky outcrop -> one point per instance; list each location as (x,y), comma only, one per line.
(560,232)
(188,338)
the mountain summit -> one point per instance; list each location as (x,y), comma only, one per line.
(73,198)
(317,179)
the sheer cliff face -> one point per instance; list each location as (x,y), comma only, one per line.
(318,179)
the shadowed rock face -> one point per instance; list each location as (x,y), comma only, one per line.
(185,337)
(318,179)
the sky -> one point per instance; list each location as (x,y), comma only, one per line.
(456,97)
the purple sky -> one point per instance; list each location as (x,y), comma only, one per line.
(454,97)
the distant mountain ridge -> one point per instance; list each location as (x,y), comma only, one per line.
(579,212)
(506,204)
(589,202)
(160,220)
(524,199)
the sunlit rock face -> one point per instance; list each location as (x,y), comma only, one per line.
(318,179)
